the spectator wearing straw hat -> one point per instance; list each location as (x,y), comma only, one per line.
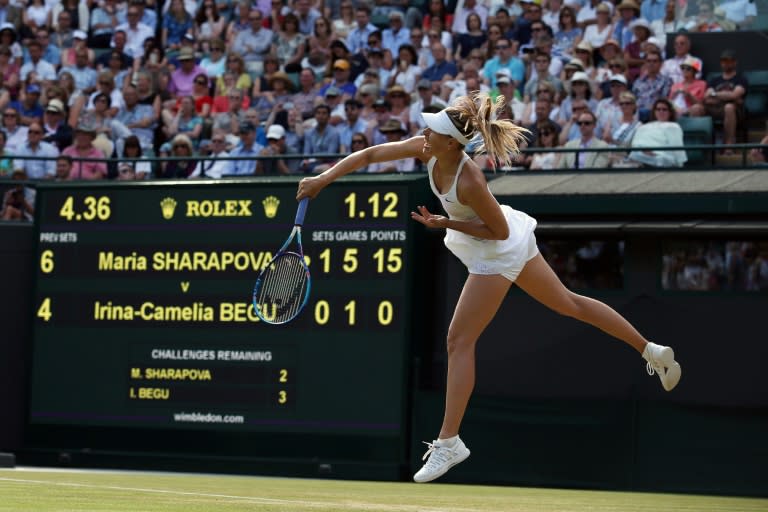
(622,30)
(183,78)
(394,131)
(57,130)
(83,147)
(633,52)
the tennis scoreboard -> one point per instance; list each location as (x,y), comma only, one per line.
(143,315)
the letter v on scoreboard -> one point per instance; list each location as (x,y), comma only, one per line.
(282,288)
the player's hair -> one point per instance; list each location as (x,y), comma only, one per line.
(476,113)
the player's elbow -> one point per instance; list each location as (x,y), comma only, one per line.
(500,233)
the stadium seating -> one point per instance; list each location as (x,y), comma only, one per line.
(697,130)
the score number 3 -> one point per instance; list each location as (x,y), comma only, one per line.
(381,205)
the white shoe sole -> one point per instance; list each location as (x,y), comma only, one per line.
(672,377)
(434,476)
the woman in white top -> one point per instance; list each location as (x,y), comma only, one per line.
(662,130)
(36,15)
(495,242)
(598,33)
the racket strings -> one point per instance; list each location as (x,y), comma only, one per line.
(283,288)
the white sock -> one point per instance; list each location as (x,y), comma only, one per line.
(448,442)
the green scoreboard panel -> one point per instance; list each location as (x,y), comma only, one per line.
(143,314)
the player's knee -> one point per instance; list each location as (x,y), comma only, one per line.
(456,343)
(569,306)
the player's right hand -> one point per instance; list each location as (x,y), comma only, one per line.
(309,187)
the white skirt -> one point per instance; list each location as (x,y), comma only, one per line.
(503,257)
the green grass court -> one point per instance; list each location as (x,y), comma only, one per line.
(44,490)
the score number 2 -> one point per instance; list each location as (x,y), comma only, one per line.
(381,205)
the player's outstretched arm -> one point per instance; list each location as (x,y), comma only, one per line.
(411,148)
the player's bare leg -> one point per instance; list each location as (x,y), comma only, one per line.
(480,299)
(539,281)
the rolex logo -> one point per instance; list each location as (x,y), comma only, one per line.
(168,207)
(270,206)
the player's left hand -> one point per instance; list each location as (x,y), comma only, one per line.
(429,219)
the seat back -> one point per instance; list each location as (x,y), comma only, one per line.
(697,131)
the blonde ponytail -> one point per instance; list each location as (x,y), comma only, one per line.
(476,113)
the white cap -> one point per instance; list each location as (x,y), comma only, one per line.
(275,131)
(442,124)
(79,34)
(619,78)
(655,41)
(580,76)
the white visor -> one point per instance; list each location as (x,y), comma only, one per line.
(442,124)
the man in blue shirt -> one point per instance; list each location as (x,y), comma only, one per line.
(322,139)
(247,147)
(395,36)
(357,40)
(437,71)
(504,59)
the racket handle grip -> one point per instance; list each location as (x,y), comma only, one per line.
(301,212)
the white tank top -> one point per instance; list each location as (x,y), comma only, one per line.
(449,200)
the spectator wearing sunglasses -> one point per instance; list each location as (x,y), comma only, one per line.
(546,137)
(587,140)
(662,130)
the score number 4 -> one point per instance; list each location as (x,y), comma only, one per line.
(95,208)
(381,205)
(46,267)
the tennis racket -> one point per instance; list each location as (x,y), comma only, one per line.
(282,288)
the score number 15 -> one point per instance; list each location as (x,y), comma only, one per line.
(381,205)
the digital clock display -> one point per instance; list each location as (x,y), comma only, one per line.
(143,315)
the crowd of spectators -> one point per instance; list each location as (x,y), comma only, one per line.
(215,83)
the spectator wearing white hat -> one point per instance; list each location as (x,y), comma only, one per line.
(634,55)
(79,43)
(276,146)
(609,108)
(579,88)
(622,31)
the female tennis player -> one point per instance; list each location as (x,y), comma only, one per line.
(497,245)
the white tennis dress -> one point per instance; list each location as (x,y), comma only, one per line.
(481,256)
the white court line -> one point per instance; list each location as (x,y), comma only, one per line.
(273,501)
(164,491)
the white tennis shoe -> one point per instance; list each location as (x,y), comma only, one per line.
(661,361)
(441,458)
